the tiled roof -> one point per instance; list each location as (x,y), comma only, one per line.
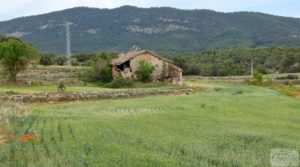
(130,55)
(125,57)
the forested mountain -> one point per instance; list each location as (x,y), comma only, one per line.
(163,30)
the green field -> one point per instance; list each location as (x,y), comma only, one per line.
(75,89)
(235,126)
(53,88)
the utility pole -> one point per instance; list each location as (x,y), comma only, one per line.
(68,44)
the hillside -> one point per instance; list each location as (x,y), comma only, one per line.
(165,30)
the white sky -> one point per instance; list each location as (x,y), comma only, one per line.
(16,8)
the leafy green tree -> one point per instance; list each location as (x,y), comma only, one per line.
(144,71)
(180,62)
(47,59)
(15,55)
(288,61)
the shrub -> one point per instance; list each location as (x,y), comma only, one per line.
(47,59)
(193,70)
(59,60)
(268,81)
(144,71)
(74,62)
(121,83)
(257,79)
(261,70)
(61,87)
(290,76)
(106,74)
(98,71)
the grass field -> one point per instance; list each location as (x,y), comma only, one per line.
(282,75)
(53,88)
(235,126)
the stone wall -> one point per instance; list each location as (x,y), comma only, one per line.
(62,97)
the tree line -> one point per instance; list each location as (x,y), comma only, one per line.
(233,62)
(230,62)
(16,54)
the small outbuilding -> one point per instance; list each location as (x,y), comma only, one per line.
(127,64)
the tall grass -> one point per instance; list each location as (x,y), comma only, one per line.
(234,126)
(9,113)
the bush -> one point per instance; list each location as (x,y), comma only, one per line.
(257,79)
(193,70)
(288,77)
(144,71)
(47,59)
(61,87)
(106,74)
(121,83)
(261,70)
(268,81)
(99,70)
(59,60)
(74,62)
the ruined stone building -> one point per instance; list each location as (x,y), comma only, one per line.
(127,64)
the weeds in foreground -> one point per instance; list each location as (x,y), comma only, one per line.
(9,112)
(290,89)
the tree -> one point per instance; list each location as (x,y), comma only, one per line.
(15,55)
(288,61)
(47,59)
(180,62)
(144,71)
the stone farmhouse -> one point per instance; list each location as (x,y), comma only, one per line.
(127,64)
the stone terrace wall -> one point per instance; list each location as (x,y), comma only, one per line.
(62,97)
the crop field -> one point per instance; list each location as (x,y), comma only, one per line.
(231,125)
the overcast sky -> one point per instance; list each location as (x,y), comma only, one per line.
(15,8)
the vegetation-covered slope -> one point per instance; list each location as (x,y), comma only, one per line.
(159,29)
